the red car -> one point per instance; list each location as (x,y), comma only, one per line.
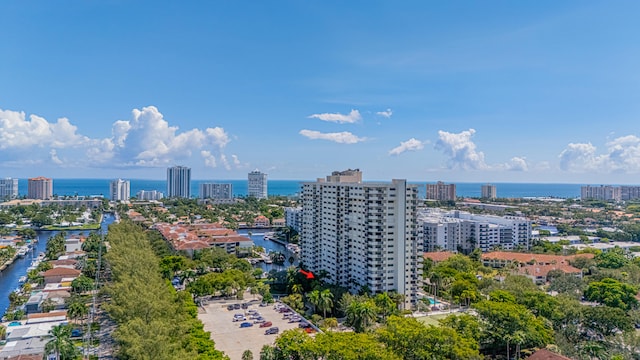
(266,324)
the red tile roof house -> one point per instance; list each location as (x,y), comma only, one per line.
(191,238)
(261,221)
(534,266)
(544,354)
(438,256)
(56,275)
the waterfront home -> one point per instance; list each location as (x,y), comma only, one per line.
(261,221)
(27,349)
(56,275)
(74,243)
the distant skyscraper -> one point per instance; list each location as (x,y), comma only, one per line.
(441,191)
(8,188)
(179,182)
(602,192)
(149,195)
(216,191)
(257,186)
(40,188)
(120,190)
(488,191)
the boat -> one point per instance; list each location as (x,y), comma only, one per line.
(22,280)
(22,251)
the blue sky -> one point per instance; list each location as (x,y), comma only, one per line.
(498,91)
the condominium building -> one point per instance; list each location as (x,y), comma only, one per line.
(363,235)
(488,191)
(179,182)
(149,195)
(630,192)
(257,184)
(216,191)
(441,191)
(120,190)
(602,192)
(463,231)
(8,188)
(293,218)
(40,188)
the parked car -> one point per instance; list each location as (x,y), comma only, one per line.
(273,330)
(263,304)
(245,306)
(252,311)
(260,321)
(235,319)
(230,307)
(246,324)
(266,324)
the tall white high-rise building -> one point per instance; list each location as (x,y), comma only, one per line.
(488,191)
(179,182)
(363,235)
(257,184)
(8,188)
(216,191)
(119,190)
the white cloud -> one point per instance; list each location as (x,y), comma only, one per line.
(209,159)
(517,164)
(235,159)
(344,137)
(18,132)
(352,117)
(54,157)
(409,145)
(387,113)
(225,162)
(461,150)
(146,140)
(622,155)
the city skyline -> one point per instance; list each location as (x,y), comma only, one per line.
(492,92)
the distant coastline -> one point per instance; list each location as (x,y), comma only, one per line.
(88,187)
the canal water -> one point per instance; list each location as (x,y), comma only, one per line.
(9,278)
(269,246)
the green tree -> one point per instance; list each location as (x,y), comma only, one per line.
(412,340)
(612,293)
(501,320)
(612,259)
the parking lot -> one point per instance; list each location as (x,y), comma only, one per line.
(234,340)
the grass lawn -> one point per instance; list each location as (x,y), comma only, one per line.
(433,319)
(80,227)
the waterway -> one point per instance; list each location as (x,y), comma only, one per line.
(9,278)
(269,246)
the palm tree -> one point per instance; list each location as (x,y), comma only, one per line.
(361,314)
(325,301)
(61,344)
(314,299)
(77,310)
(297,289)
(247,355)
(3,332)
(330,323)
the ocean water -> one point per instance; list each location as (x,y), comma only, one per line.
(87,187)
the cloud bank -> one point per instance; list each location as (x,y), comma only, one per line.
(622,155)
(146,140)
